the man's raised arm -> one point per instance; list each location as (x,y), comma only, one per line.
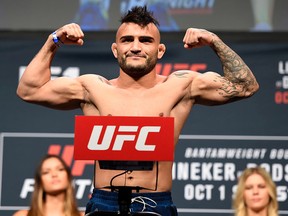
(36,86)
(211,88)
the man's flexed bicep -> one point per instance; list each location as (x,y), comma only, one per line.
(36,86)
(236,70)
(211,88)
(237,81)
(60,93)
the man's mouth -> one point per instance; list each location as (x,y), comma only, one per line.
(135,56)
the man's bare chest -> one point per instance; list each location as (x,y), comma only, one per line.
(136,106)
(136,103)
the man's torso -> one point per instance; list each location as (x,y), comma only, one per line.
(168,98)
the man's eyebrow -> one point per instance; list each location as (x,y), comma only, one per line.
(146,38)
(141,37)
(126,37)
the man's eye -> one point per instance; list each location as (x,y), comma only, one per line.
(146,41)
(127,40)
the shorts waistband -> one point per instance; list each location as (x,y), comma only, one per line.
(156,196)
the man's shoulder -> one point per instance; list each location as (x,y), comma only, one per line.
(180,79)
(93,77)
(188,74)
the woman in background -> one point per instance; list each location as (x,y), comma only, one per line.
(53,191)
(256,194)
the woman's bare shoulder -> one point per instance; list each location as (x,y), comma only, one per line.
(82,213)
(21,213)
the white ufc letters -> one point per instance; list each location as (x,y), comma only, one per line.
(132,131)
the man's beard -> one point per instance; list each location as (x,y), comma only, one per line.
(137,71)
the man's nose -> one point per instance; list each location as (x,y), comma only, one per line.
(135,46)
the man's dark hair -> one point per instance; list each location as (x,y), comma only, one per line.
(140,16)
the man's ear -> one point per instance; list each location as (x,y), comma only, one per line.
(114,49)
(161,50)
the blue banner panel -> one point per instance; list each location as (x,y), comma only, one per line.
(216,144)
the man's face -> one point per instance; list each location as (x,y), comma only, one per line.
(137,48)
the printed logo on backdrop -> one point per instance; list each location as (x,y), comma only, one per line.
(204,174)
(175,6)
(21,154)
(281,94)
(206,169)
(167,68)
(57,71)
(192,7)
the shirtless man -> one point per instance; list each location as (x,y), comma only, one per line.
(137,91)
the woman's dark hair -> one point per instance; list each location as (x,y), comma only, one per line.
(39,195)
(140,16)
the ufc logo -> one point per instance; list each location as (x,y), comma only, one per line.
(66,153)
(168,68)
(124,138)
(109,133)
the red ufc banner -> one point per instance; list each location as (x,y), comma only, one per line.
(122,138)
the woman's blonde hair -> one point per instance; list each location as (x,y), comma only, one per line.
(39,195)
(239,203)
